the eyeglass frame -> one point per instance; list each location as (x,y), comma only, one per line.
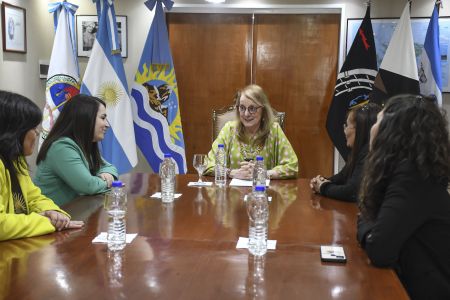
(345,126)
(251,109)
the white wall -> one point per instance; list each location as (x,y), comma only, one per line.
(20,73)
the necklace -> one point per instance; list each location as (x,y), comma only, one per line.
(249,151)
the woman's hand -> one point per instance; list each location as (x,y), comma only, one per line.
(59,220)
(316,182)
(271,174)
(75,225)
(313,182)
(244,172)
(107,177)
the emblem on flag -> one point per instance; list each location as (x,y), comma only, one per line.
(155,98)
(63,74)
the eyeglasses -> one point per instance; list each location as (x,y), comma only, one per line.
(251,109)
(347,126)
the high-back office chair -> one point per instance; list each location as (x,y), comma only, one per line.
(222,115)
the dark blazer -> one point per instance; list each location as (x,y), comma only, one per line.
(342,188)
(411,233)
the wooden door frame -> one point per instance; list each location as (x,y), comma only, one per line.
(279,9)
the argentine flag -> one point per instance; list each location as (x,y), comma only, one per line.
(63,79)
(430,74)
(156,110)
(105,78)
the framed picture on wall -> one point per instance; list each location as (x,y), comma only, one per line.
(87,27)
(14,29)
(384,28)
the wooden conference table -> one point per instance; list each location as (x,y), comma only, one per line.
(187,250)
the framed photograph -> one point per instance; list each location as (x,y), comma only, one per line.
(14,29)
(87,26)
(384,28)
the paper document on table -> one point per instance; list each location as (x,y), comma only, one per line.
(196,183)
(103,238)
(243,244)
(158,195)
(240,182)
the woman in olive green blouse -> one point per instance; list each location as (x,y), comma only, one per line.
(255,132)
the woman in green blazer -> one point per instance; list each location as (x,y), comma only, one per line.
(69,163)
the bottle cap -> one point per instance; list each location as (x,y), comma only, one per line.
(260,188)
(221,146)
(167,155)
(117,183)
(259,158)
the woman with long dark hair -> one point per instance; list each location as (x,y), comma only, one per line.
(404,202)
(69,163)
(24,211)
(345,184)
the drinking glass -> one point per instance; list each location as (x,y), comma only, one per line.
(200,162)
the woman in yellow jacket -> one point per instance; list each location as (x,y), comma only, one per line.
(24,211)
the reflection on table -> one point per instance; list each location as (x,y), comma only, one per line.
(187,250)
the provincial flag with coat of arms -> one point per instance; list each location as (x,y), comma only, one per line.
(63,78)
(105,78)
(430,73)
(155,101)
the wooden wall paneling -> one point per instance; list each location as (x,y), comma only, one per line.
(211,58)
(295,61)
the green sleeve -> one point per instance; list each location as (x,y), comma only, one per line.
(36,201)
(224,138)
(68,162)
(286,159)
(106,167)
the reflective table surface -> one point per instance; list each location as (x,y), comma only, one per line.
(187,250)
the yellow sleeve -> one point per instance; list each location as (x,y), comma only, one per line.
(15,226)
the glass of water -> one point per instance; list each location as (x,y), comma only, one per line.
(200,162)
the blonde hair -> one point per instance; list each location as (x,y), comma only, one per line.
(256,94)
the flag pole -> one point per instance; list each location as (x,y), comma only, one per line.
(439,5)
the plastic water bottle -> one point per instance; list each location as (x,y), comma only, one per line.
(221,167)
(116,206)
(259,172)
(258,213)
(167,174)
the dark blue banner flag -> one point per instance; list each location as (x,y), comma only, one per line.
(354,80)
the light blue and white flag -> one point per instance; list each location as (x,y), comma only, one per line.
(430,73)
(63,79)
(156,110)
(105,78)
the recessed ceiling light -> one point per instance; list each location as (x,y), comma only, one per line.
(215,1)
